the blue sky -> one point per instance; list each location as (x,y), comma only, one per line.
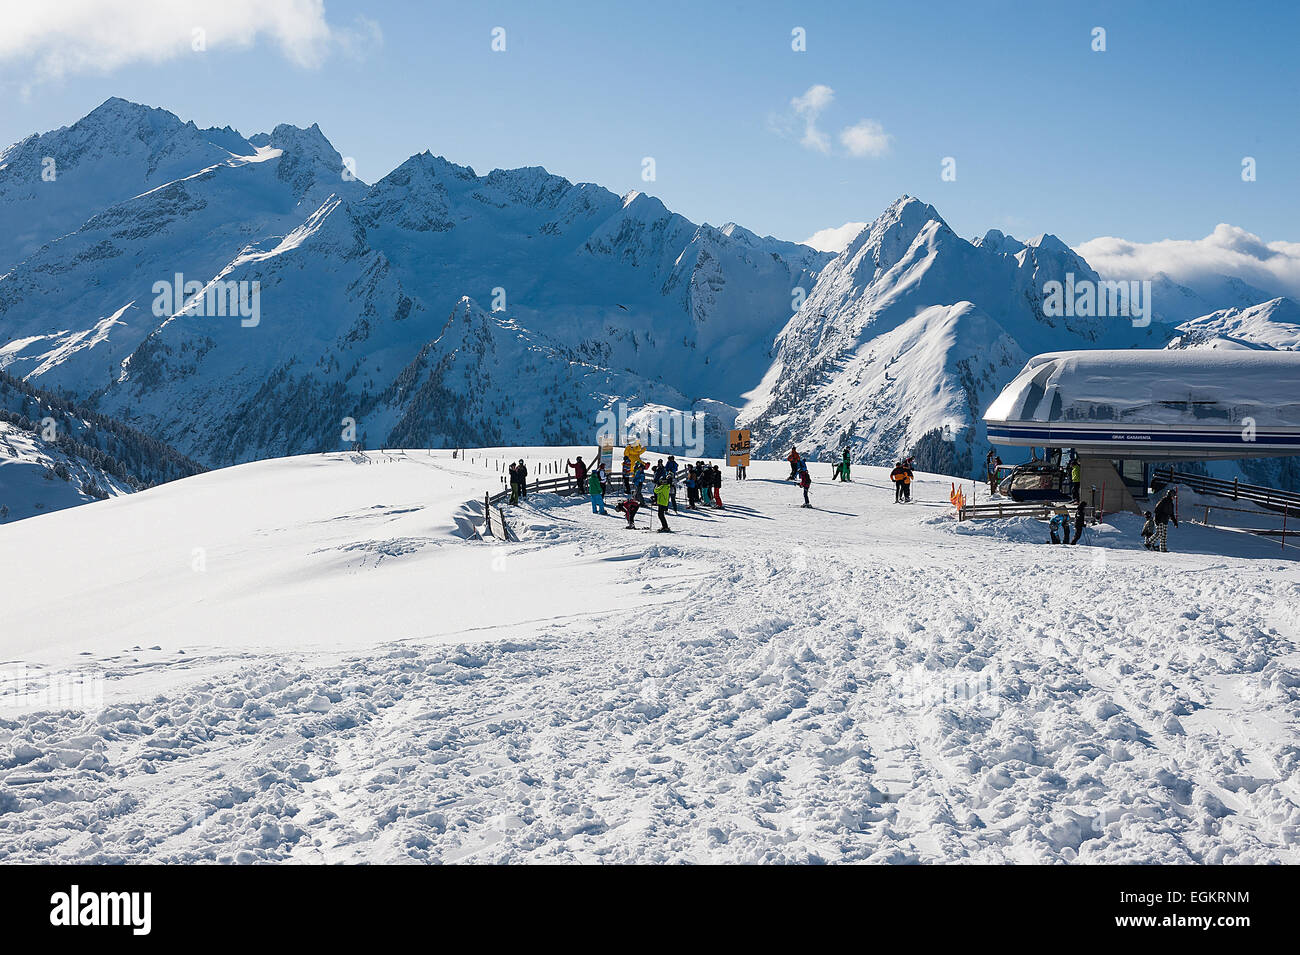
(1143,141)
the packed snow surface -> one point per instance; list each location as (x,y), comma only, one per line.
(308,660)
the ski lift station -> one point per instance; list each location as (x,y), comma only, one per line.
(1122,410)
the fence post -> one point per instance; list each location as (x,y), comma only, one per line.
(1285,509)
(1234,488)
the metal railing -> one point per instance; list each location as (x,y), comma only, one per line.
(1269,497)
(1035,509)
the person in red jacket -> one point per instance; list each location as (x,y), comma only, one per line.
(579,470)
(794,459)
(805,482)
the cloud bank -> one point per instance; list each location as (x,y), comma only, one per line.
(1229,250)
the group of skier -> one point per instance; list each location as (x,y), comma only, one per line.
(902,476)
(1155,532)
(799,472)
(518,481)
(703,483)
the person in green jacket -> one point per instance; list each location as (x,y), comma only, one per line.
(663,493)
(844,466)
(597,493)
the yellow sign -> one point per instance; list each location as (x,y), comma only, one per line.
(738,448)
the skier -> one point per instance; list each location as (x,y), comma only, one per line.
(604,478)
(514,484)
(522,473)
(1149,532)
(1074,476)
(805,481)
(670,470)
(794,459)
(692,485)
(1166,511)
(627,473)
(579,471)
(1060,522)
(897,476)
(907,480)
(844,466)
(717,486)
(991,465)
(663,492)
(638,479)
(597,493)
(1078,521)
(629,509)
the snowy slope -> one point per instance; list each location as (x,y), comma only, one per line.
(37,476)
(344,678)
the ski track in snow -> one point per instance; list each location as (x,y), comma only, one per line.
(860,682)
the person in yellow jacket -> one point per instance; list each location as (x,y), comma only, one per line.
(663,494)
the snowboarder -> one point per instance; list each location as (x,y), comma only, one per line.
(663,492)
(1166,511)
(794,459)
(1149,532)
(629,509)
(597,493)
(805,481)
(1060,522)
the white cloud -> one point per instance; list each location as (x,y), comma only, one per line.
(60,37)
(1229,250)
(836,238)
(866,138)
(808,107)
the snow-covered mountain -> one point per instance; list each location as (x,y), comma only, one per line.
(1273,324)
(579,296)
(443,307)
(909,334)
(55,454)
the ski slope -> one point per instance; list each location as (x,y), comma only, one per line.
(348,678)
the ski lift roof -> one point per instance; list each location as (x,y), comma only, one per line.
(1154,404)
